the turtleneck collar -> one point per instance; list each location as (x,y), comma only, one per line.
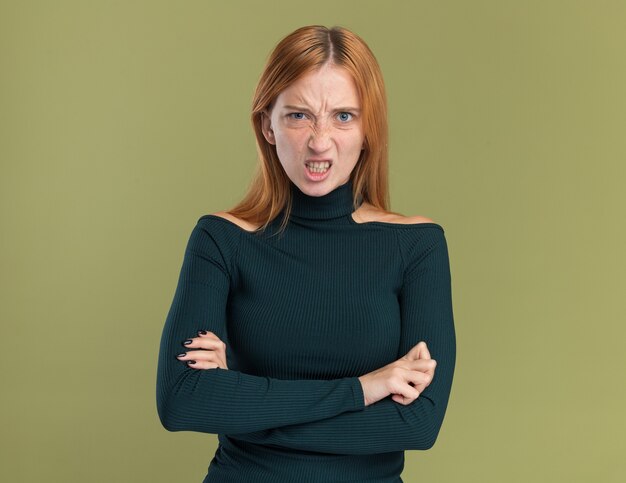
(334,204)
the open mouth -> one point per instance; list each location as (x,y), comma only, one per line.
(318,167)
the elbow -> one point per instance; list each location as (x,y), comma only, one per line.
(166,417)
(430,440)
(163,407)
(432,415)
(424,440)
(184,413)
(166,424)
(181,420)
(433,434)
(178,416)
(172,410)
(427,431)
(175,405)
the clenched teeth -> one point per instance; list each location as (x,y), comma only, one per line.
(318,167)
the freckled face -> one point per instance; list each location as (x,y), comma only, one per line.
(316,126)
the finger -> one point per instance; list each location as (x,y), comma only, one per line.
(425,354)
(420,387)
(419,378)
(208,343)
(418,351)
(406,394)
(423,365)
(433,365)
(427,365)
(401,399)
(208,334)
(200,355)
(421,381)
(399,382)
(415,378)
(203,359)
(203,365)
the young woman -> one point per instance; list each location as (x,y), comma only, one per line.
(308,320)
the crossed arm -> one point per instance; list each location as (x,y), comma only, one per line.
(331,416)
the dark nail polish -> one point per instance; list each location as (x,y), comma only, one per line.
(191,362)
(182,355)
(187,342)
(202,332)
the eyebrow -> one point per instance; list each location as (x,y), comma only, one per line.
(301,108)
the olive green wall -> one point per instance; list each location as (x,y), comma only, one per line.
(121,123)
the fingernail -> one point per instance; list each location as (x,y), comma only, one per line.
(191,362)
(202,332)
(182,355)
(187,342)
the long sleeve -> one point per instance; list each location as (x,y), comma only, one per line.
(228,401)
(426,314)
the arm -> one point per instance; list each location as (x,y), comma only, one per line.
(385,426)
(227,401)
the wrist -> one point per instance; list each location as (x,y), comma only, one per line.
(363,381)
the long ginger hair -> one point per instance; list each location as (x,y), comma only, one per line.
(305,50)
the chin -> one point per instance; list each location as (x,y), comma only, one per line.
(317,189)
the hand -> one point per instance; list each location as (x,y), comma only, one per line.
(420,351)
(403,379)
(211,353)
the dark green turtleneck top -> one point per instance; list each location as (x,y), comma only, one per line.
(304,313)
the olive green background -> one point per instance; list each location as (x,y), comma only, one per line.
(121,123)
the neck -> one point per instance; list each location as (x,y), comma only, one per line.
(334,204)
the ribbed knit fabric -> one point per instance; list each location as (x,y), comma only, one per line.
(303,314)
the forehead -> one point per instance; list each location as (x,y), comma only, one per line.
(327,86)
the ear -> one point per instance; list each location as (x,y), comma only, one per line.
(266,127)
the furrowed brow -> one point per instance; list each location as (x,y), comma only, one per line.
(296,108)
(339,109)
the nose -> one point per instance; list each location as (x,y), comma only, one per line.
(320,138)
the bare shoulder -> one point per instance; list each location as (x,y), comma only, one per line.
(413,220)
(367,213)
(243,224)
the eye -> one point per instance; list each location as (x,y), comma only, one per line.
(344,116)
(296,115)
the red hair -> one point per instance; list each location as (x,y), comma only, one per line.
(305,50)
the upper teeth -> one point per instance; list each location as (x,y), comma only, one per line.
(323,164)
